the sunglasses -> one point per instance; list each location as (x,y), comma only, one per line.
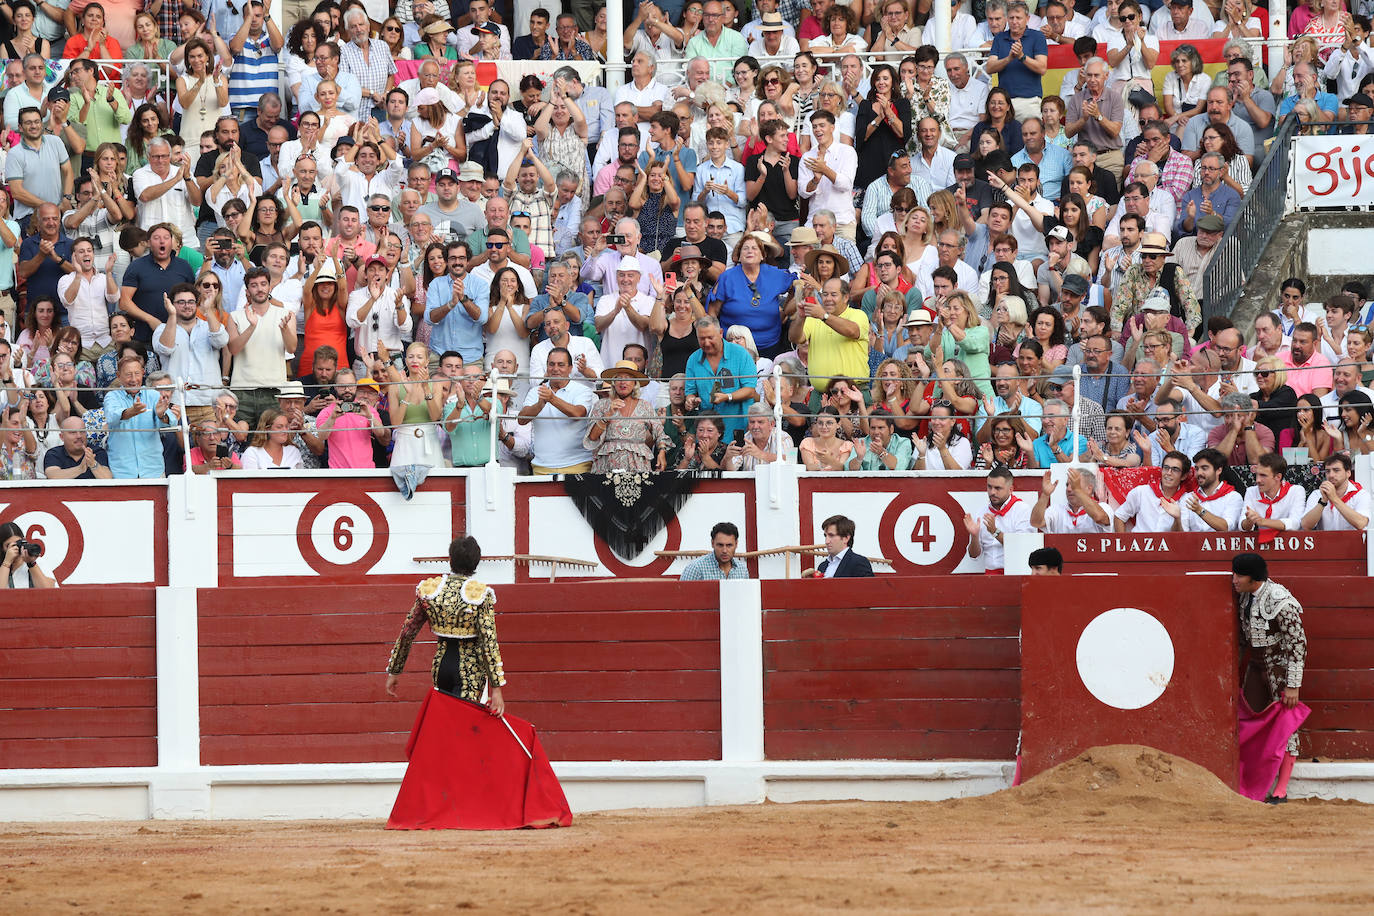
(209,286)
(378,208)
(495,245)
(1128,18)
(772,81)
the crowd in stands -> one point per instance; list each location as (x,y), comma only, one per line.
(273,236)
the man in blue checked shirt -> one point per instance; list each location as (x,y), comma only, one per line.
(1104,381)
(720,563)
(720,184)
(457,307)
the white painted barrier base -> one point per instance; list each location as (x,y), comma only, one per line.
(366,791)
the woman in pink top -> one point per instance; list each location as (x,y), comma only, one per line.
(1046,326)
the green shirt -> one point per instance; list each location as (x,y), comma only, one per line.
(898,446)
(102,117)
(477,241)
(195,259)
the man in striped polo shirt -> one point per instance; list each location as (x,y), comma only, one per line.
(254,46)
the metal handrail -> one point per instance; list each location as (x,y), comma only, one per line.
(1239,251)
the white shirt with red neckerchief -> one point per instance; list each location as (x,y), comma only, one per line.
(1013,517)
(1060,519)
(1287,506)
(1356,497)
(1143,505)
(1225,502)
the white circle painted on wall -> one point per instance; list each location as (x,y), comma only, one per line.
(1125,658)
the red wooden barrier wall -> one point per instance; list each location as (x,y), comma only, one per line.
(1338,680)
(1298,553)
(78,678)
(901,668)
(620,673)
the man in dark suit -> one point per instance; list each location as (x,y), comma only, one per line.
(842,563)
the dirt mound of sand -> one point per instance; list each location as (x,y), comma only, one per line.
(1117,775)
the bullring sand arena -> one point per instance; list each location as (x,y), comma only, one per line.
(1118,829)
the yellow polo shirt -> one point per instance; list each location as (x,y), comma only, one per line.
(832,354)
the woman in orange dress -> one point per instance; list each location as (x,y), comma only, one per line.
(325,301)
(93,42)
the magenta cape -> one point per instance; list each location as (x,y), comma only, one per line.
(467,771)
(1263,738)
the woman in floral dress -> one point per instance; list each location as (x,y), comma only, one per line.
(625,433)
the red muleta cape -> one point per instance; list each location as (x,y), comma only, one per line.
(468,772)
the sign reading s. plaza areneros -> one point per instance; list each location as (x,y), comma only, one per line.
(1227,542)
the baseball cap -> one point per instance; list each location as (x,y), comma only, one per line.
(1157,301)
(1060,232)
(470,171)
(998,161)
(963,161)
(1075,283)
(375,259)
(627,264)
(1210,222)
(59,94)
(450,174)
(1361,99)
(1061,376)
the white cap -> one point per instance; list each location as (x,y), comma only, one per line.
(627,264)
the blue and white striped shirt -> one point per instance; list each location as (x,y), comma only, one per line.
(254,72)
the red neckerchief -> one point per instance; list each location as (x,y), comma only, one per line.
(1268,534)
(1012,500)
(1222,490)
(1269,504)
(1350,493)
(1076,515)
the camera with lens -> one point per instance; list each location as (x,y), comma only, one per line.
(33,548)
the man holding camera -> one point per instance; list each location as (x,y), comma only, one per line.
(211,451)
(21,560)
(348,426)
